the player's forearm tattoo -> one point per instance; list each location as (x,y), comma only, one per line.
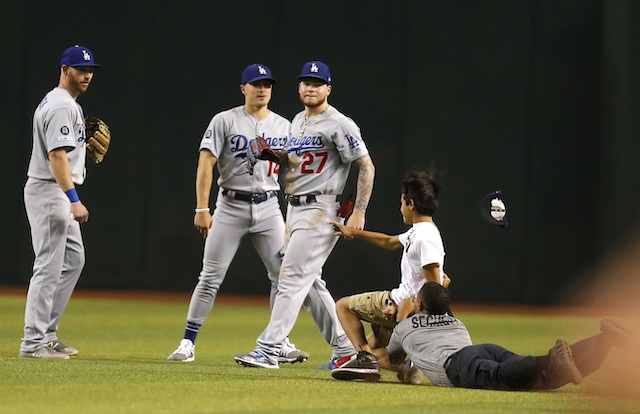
(365,182)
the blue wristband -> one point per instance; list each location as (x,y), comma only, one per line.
(73,195)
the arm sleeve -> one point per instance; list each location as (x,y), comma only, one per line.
(214,136)
(429,252)
(59,130)
(395,345)
(349,142)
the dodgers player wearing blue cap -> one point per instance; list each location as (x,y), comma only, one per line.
(54,209)
(322,145)
(246,205)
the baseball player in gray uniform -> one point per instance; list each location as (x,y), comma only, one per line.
(246,205)
(53,207)
(322,145)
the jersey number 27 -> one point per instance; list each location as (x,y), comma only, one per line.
(307,166)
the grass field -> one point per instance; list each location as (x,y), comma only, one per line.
(122,366)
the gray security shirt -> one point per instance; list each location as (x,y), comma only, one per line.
(429,340)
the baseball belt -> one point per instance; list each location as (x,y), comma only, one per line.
(303,200)
(255,198)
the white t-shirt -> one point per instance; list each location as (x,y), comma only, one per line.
(58,122)
(422,246)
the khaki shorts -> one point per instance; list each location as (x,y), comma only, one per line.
(368,307)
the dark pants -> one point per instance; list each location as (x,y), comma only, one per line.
(492,367)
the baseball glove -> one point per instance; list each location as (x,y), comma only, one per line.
(346,207)
(258,149)
(98,139)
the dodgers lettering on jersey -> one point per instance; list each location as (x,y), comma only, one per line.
(321,151)
(58,122)
(227,137)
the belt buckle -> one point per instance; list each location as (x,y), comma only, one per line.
(255,197)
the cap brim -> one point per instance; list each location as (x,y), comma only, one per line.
(313,77)
(93,65)
(259,78)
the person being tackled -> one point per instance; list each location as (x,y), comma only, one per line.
(422,261)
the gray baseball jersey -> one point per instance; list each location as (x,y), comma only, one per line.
(227,137)
(321,151)
(58,122)
(422,246)
(429,340)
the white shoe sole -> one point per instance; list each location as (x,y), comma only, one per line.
(190,359)
(253,364)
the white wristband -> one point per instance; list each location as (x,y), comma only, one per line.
(202,210)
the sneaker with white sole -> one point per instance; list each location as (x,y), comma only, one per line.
(186,352)
(45,352)
(255,359)
(59,346)
(409,373)
(290,354)
(365,367)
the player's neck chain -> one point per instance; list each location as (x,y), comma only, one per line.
(303,127)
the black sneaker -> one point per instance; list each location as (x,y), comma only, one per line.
(364,367)
(562,370)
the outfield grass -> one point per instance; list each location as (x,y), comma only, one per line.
(122,367)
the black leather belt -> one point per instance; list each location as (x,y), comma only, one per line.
(295,200)
(256,198)
(299,200)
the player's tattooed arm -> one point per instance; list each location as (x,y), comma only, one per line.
(366,173)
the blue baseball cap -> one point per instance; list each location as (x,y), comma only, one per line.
(256,72)
(78,56)
(317,70)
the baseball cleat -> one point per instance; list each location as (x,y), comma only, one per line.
(255,359)
(186,352)
(364,367)
(409,373)
(46,352)
(59,346)
(562,370)
(336,362)
(290,354)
